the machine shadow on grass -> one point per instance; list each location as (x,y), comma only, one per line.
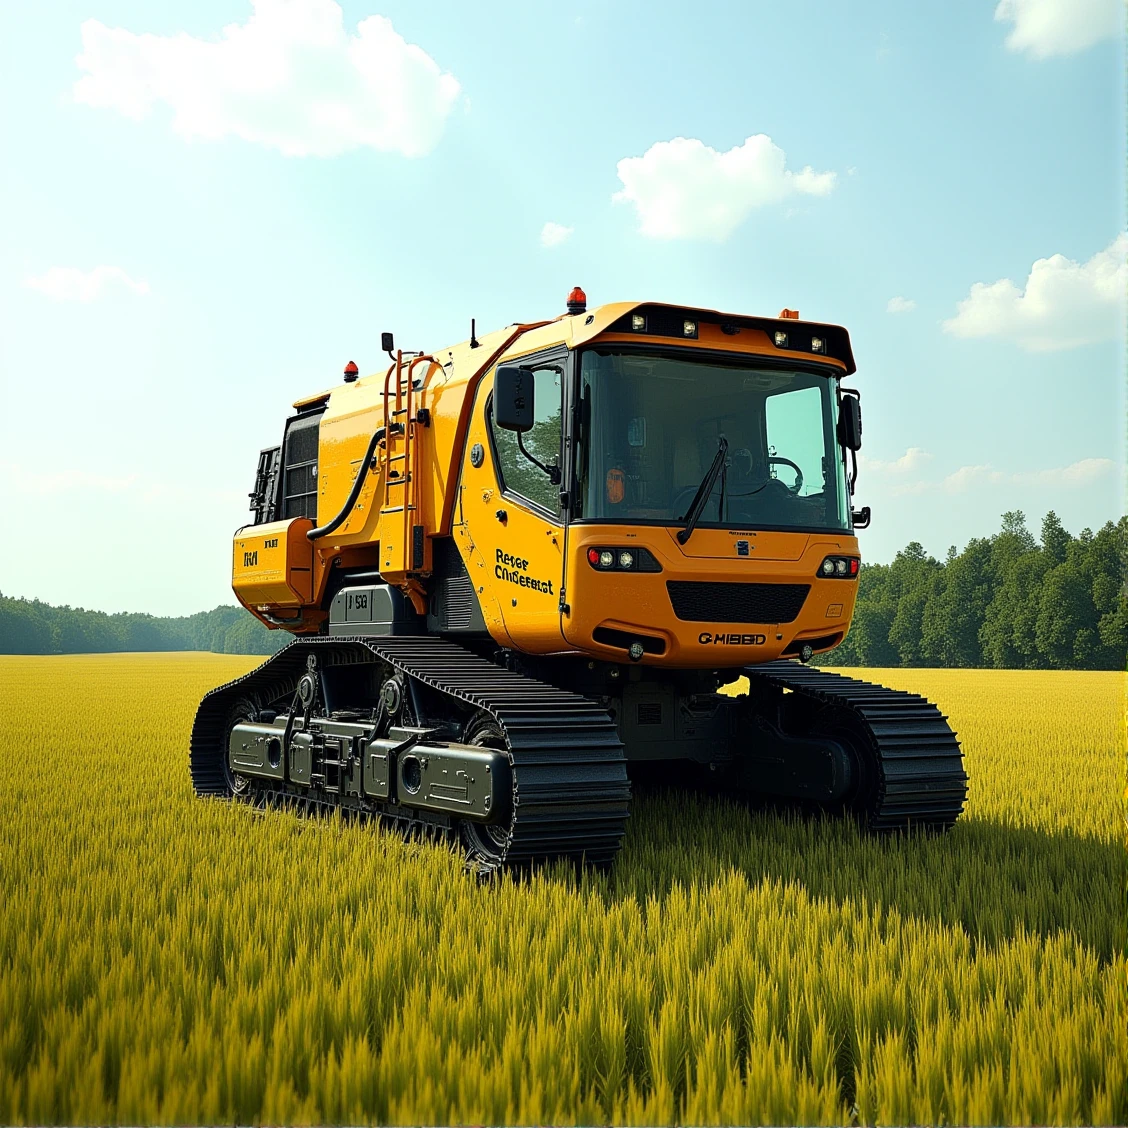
(992,880)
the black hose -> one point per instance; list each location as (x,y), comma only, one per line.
(358,485)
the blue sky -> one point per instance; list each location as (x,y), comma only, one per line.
(210,207)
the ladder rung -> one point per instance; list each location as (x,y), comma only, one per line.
(396,457)
(392,509)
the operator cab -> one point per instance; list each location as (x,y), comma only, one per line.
(654,424)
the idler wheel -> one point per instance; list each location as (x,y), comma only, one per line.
(485,843)
(243,710)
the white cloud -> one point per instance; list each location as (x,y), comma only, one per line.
(1075,474)
(1064,303)
(913,459)
(290,78)
(900,305)
(553,234)
(683,189)
(69,284)
(1059,27)
(968,478)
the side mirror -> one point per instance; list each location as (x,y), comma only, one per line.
(513,399)
(850,423)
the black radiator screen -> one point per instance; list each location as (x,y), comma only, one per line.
(299,490)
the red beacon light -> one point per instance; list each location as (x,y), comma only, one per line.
(351,372)
(789,314)
(577,301)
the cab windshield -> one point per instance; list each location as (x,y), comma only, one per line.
(651,427)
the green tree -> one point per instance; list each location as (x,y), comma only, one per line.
(1065,610)
(1055,540)
(911,575)
(954,613)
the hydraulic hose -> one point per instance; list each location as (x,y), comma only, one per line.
(361,474)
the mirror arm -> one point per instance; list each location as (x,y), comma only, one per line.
(553,472)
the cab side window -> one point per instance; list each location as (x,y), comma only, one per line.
(518,474)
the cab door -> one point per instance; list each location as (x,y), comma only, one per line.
(512,515)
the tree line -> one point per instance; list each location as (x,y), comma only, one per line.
(1007,601)
(31,627)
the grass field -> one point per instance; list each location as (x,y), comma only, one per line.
(166,959)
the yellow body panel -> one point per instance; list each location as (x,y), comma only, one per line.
(272,565)
(519,559)
(514,555)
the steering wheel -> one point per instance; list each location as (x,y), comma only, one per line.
(775,459)
(684,496)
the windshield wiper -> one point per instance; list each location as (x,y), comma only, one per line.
(697,506)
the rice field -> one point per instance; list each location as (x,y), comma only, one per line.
(169,960)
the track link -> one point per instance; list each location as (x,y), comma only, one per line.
(571,796)
(921,782)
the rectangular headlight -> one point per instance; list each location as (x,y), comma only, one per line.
(638,322)
(689,328)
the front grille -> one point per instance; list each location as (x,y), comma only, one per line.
(702,602)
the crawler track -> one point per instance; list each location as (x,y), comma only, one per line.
(571,795)
(918,774)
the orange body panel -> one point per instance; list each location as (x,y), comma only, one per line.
(637,602)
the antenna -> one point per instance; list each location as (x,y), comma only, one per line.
(474,342)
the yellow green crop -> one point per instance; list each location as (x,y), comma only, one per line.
(168,959)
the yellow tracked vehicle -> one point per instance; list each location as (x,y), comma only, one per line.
(519,569)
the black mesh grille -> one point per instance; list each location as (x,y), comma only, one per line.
(702,602)
(299,494)
(455,600)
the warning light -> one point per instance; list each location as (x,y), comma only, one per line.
(351,372)
(577,301)
(789,314)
